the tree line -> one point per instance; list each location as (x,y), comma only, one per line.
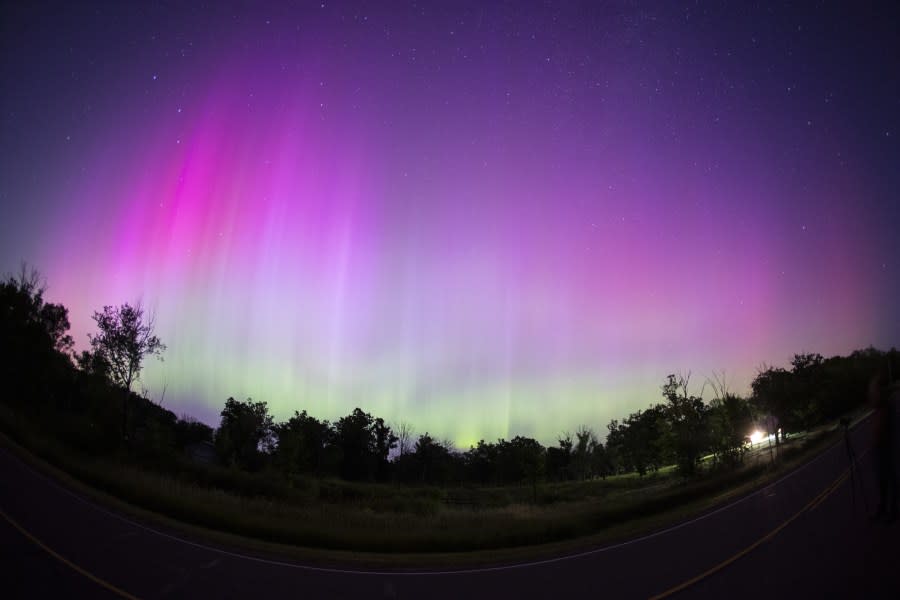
(86,400)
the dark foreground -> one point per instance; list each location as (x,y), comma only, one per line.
(807,535)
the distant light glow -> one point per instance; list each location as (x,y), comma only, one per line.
(757,436)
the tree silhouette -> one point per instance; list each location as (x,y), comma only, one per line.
(365,442)
(583,452)
(405,434)
(34,339)
(430,459)
(730,422)
(686,420)
(615,446)
(641,439)
(518,460)
(301,443)
(558,461)
(27,316)
(245,431)
(55,318)
(125,339)
(772,397)
(79,408)
(807,386)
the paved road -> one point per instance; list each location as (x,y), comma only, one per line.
(805,536)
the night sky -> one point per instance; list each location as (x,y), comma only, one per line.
(486,220)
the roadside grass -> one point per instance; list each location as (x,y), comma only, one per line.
(336,521)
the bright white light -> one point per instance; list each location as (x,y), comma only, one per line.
(756,437)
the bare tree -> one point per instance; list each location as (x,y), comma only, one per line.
(29,281)
(719,384)
(405,434)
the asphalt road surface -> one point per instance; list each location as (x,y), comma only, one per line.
(807,535)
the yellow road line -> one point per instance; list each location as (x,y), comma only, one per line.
(101,582)
(810,505)
(830,490)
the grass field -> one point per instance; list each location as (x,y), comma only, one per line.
(383,523)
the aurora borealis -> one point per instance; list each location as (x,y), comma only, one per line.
(485,220)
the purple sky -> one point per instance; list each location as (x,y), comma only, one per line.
(486,220)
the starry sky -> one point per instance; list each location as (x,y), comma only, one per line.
(485,219)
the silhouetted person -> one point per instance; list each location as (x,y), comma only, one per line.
(883,419)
